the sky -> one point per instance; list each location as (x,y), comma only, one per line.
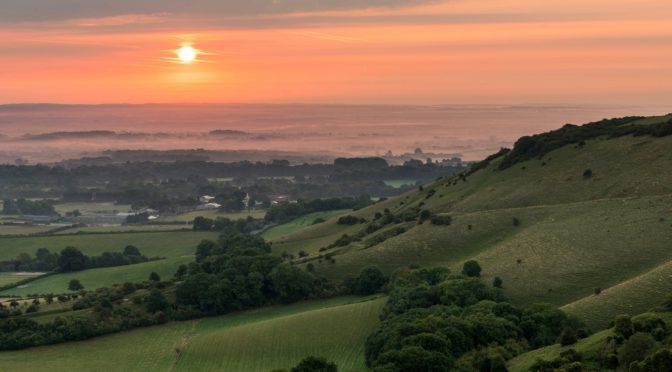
(609,52)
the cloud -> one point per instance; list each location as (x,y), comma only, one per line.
(51,10)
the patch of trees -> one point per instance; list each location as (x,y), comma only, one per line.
(438,321)
(238,272)
(350,220)
(286,212)
(27,207)
(72,259)
(529,147)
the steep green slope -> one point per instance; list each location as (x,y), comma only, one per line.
(259,340)
(588,215)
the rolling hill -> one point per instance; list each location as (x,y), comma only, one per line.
(575,218)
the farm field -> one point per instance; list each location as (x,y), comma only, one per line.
(162,244)
(92,207)
(25,230)
(143,228)
(101,277)
(400,183)
(187,218)
(280,231)
(9,278)
(281,336)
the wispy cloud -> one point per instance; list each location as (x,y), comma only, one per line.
(120,20)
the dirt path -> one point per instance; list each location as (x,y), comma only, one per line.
(182,344)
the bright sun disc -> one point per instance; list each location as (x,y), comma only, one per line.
(186,54)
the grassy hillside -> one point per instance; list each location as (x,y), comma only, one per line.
(278,233)
(259,340)
(596,214)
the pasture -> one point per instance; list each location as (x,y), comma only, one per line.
(258,340)
(400,183)
(188,218)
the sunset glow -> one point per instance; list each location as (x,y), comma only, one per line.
(425,52)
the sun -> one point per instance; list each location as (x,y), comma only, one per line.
(187,54)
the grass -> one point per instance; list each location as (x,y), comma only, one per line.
(260,340)
(142,228)
(400,183)
(189,217)
(279,232)
(103,277)
(92,207)
(176,247)
(25,229)
(163,244)
(10,278)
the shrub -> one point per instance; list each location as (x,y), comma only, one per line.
(315,364)
(350,220)
(623,326)
(587,173)
(471,268)
(516,221)
(442,220)
(568,337)
(497,282)
(370,280)
(635,348)
(154,277)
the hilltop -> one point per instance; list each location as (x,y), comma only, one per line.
(580,217)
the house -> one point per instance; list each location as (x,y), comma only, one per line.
(208,206)
(38,220)
(206,199)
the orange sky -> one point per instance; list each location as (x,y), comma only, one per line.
(460,51)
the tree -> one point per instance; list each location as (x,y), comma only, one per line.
(131,250)
(471,268)
(290,283)
(497,282)
(370,280)
(154,277)
(72,259)
(181,271)
(75,285)
(155,301)
(635,348)
(315,364)
(568,337)
(623,326)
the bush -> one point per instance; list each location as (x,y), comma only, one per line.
(568,337)
(588,173)
(75,285)
(516,221)
(154,277)
(350,220)
(497,282)
(370,280)
(442,220)
(471,268)
(315,364)
(623,326)
(635,348)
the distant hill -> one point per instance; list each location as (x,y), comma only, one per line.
(560,217)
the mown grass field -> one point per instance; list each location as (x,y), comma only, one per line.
(24,230)
(279,232)
(176,247)
(102,277)
(187,218)
(143,228)
(576,233)
(92,207)
(260,340)
(10,278)
(400,183)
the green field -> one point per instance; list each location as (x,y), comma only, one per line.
(259,340)
(187,218)
(25,229)
(400,183)
(142,228)
(177,247)
(102,277)
(93,207)
(10,278)
(279,232)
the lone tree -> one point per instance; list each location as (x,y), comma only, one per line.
(497,282)
(471,268)
(315,364)
(370,280)
(75,285)
(154,277)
